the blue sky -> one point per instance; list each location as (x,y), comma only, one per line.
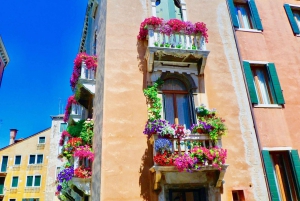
(42,39)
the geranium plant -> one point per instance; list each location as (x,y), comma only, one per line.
(185,162)
(64,135)
(83,172)
(84,152)
(87,131)
(164,159)
(153,21)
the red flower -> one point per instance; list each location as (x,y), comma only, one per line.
(176,25)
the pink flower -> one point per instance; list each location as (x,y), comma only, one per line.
(71,100)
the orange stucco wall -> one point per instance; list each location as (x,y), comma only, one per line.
(277,44)
(121,167)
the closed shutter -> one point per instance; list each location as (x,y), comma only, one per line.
(296,169)
(15,182)
(250,83)
(255,15)
(233,15)
(2,179)
(162,10)
(292,20)
(275,83)
(4,163)
(37,181)
(29,180)
(270,175)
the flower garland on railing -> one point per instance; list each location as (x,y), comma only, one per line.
(90,61)
(172,26)
(71,100)
(64,134)
(84,152)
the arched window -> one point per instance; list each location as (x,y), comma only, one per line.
(177,102)
(168,9)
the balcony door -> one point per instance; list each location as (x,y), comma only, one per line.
(187,195)
(168,9)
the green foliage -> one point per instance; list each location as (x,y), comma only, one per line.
(75,129)
(155,103)
(77,92)
(87,132)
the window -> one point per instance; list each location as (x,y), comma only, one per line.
(238,195)
(30,199)
(263,83)
(17,160)
(63,127)
(177,103)
(42,140)
(168,9)
(283,173)
(33,181)
(12,199)
(36,159)
(187,194)
(293,14)
(244,14)
(15,181)
(4,163)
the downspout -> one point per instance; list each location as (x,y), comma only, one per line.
(249,102)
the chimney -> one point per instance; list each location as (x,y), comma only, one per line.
(12,135)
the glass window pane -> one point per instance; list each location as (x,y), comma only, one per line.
(183,109)
(15,182)
(63,127)
(32,159)
(263,87)
(37,181)
(297,18)
(18,160)
(39,159)
(4,163)
(169,108)
(29,180)
(42,140)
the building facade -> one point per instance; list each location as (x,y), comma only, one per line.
(4,59)
(24,167)
(208,73)
(271,68)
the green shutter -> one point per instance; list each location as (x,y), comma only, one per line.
(296,169)
(37,181)
(29,180)
(162,10)
(275,83)
(171,5)
(4,163)
(292,20)
(270,175)
(15,182)
(250,83)
(233,15)
(255,15)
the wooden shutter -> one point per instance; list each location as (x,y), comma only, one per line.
(274,81)
(270,175)
(232,11)
(4,163)
(171,6)
(296,169)
(255,15)
(2,179)
(162,10)
(37,181)
(250,83)
(15,182)
(29,180)
(292,20)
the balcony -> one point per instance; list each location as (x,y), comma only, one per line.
(78,112)
(87,78)
(176,53)
(203,172)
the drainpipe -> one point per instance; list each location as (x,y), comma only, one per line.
(249,102)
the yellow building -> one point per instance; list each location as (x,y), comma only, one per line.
(23,170)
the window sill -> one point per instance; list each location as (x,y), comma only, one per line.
(267,106)
(298,35)
(248,30)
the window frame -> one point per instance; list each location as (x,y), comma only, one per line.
(290,10)
(6,163)
(35,159)
(239,16)
(20,160)
(60,126)
(12,181)
(40,138)
(33,181)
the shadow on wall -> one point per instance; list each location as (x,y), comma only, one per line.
(146,179)
(142,65)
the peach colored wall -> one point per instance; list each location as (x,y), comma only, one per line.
(122,172)
(277,44)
